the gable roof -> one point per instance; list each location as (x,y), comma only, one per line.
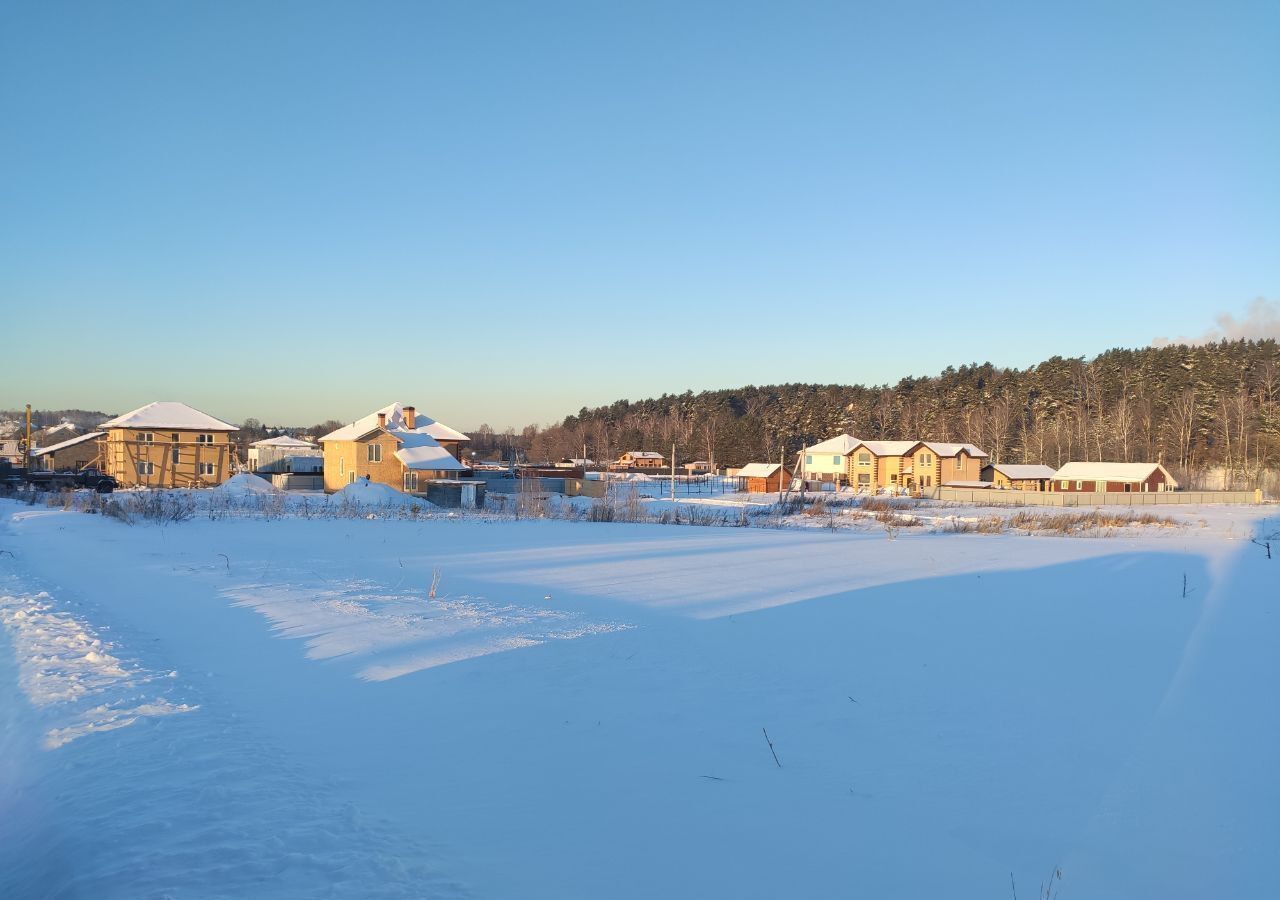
(643,454)
(169,414)
(944,449)
(422,424)
(78,439)
(1111,471)
(841,445)
(758,470)
(889,448)
(1023,472)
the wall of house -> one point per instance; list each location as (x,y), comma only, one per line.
(72,459)
(824,466)
(1152,484)
(125,448)
(342,458)
(969,469)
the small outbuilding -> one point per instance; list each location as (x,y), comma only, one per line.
(1104,477)
(70,455)
(280,455)
(1009,477)
(763,478)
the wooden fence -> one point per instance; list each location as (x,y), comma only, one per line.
(990,497)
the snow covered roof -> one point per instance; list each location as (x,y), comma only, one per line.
(169,414)
(421,451)
(758,470)
(953,449)
(1111,471)
(1020,472)
(841,445)
(395,422)
(78,439)
(977,485)
(282,441)
(64,426)
(644,454)
(889,448)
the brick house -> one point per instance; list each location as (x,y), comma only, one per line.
(393,446)
(640,459)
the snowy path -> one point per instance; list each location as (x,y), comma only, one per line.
(579,711)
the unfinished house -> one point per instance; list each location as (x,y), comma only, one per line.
(70,455)
(168,444)
(393,446)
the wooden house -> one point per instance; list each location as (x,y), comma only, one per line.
(912,465)
(71,455)
(1010,477)
(167,444)
(640,459)
(763,478)
(393,446)
(697,467)
(1103,477)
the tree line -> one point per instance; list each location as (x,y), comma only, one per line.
(1192,408)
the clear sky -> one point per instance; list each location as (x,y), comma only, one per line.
(502,212)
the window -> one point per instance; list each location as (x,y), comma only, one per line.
(926,459)
(351,478)
(146,437)
(174,438)
(808,460)
(173,455)
(893,479)
(864,478)
(864,459)
(959,463)
(1079,485)
(204,439)
(410,481)
(1128,487)
(375,453)
(1100,486)
(342,467)
(146,468)
(207,469)
(835,460)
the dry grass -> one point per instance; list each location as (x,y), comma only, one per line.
(1096,520)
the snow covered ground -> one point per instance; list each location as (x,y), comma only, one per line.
(278,707)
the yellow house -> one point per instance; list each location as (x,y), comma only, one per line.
(912,465)
(640,459)
(168,444)
(393,446)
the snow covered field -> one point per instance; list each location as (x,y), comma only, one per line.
(278,708)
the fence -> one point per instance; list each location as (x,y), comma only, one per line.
(1094,498)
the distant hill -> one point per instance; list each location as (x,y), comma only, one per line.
(1192,407)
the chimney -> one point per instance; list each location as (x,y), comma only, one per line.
(382,420)
(410,417)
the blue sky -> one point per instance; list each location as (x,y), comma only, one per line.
(505,211)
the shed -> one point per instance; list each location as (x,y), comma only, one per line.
(762,478)
(276,455)
(1102,477)
(1007,476)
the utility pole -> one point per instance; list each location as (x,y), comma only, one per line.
(782,468)
(26,452)
(673,473)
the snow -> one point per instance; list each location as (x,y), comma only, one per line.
(1023,472)
(245,484)
(54,448)
(944,449)
(395,423)
(420,451)
(841,445)
(280,708)
(282,441)
(757,470)
(169,414)
(364,492)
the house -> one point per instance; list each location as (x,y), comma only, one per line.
(393,446)
(168,444)
(639,459)
(1103,477)
(11,451)
(762,478)
(828,460)
(575,463)
(284,454)
(71,455)
(1006,476)
(912,465)
(697,467)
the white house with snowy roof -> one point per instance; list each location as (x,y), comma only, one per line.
(393,446)
(284,454)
